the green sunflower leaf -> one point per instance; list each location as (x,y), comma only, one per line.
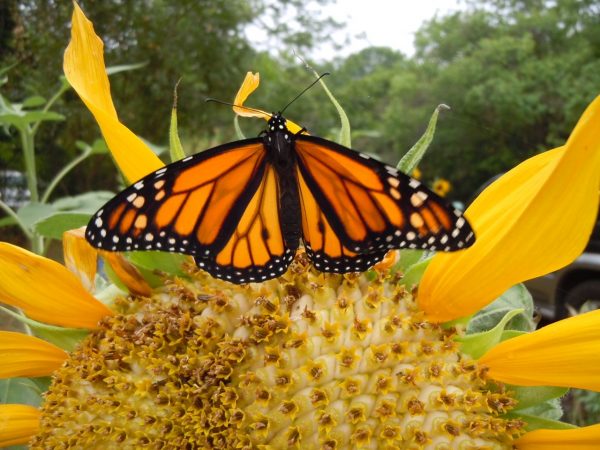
(517,297)
(21,391)
(34,101)
(408,258)
(163,261)
(476,344)
(89,202)
(175,147)
(413,275)
(529,396)
(345,136)
(33,212)
(413,157)
(535,423)
(55,225)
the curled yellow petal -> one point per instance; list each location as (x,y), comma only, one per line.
(533,220)
(18,424)
(249,85)
(80,257)
(45,290)
(585,438)
(84,68)
(27,356)
(294,127)
(564,353)
(127,273)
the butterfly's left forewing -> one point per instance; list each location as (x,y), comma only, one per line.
(372,206)
(191,206)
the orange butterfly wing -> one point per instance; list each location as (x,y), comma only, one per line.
(256,250)
(323,245)
(372,207)
(191,206)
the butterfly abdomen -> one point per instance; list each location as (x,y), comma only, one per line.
(280,153)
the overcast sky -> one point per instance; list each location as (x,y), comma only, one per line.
(389,23)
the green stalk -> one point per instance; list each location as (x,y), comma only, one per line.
(63,88)
(60,175)
(29,156)
(37,242)
(16,218)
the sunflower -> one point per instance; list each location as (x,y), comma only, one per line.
(308,360)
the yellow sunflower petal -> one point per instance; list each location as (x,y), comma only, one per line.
(564,353)
(27,356)
(84,68)
(585,438)
(533,220)
(127,273)
(45,290)
(18,424)
(80,257)
(248,86)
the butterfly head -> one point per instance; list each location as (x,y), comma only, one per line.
(276,122)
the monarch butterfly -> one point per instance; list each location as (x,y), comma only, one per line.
(242,208)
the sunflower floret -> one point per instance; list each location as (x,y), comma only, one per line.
(205,364)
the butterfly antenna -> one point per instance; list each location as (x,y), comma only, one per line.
(221,102)
(306,89)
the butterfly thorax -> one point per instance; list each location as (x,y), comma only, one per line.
(279,144)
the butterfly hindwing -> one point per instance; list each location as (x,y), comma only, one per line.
(323,245)
(190,206)
(372,206)
(256,250)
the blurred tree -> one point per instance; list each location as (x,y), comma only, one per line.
(516,73)
(204,43)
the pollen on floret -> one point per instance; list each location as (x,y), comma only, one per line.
(309,360)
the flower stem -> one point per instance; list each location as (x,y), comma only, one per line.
(27,142)
(29,156)
(60,175)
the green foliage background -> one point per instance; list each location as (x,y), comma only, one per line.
(516,73)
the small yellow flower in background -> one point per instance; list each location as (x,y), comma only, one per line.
(309,360)
(441,187)
(416,173)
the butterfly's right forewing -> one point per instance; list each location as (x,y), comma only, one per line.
(372,207)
